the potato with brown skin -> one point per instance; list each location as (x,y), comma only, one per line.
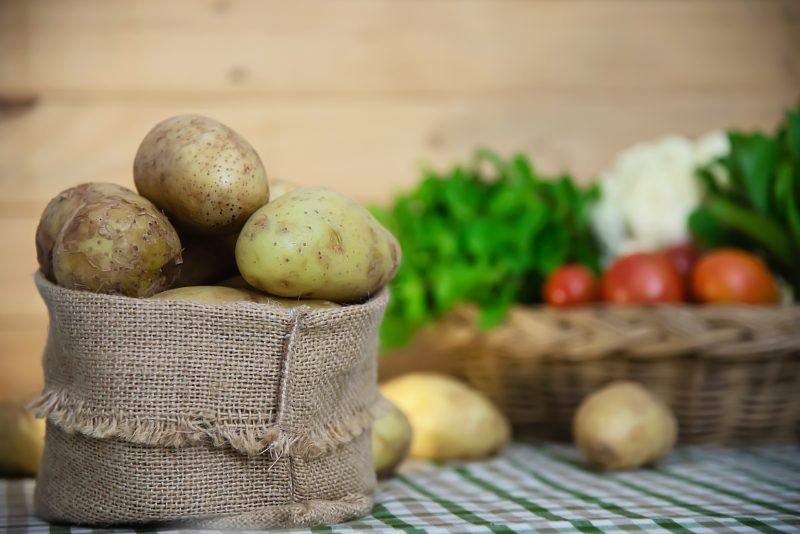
(61,208)
(204,175)
(316,243)
(206,294)
(624,426)
(119,246)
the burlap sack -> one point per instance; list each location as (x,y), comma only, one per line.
(227,415)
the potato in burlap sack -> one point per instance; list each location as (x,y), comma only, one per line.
(227,415)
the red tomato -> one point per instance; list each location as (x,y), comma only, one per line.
(570,285)
(730,275)
(642,278)
(683,257)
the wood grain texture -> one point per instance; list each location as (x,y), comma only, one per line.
(358,47)
(357,94)
(367,148)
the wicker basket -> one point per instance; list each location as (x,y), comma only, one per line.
(731,374)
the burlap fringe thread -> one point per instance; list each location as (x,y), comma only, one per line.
(57,407)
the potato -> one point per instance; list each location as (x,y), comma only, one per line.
(624,426)
(221,293)
(314,242)
(117,245)
(21,440)
(279,188)
(236,282)
(209,294)
(206,259)
(204,176)
(61,208)
(449,420)
(391,441)
(293,302)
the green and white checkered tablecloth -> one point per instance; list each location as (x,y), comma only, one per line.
(547,488)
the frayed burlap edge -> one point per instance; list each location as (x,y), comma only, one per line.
(300,514)
(319,442)
(75,416)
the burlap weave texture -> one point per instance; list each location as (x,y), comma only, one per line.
(107,481)
(244,414)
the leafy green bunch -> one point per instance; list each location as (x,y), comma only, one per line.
(754,202)
(487,233)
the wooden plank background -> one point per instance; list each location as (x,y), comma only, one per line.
(355,94)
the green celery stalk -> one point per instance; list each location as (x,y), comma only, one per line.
(761,229)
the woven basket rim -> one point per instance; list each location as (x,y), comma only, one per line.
(654,332)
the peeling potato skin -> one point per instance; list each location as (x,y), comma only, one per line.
(316,243)
(117,246)
(204,175)
(61,208)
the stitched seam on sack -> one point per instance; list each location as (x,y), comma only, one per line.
(288,351)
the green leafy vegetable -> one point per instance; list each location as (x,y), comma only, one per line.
(488,233)
(757,205)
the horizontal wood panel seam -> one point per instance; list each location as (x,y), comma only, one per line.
(21,101)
